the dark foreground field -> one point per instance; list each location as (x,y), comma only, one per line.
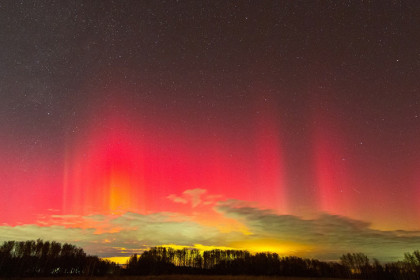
(220,277)
(190,277)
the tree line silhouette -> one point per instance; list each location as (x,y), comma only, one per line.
(39,258)
(163,260)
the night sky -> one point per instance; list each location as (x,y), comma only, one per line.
(290,126)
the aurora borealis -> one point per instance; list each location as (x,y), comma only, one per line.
(289,126)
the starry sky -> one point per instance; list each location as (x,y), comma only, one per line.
(289,126)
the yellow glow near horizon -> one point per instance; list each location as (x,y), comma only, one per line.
(118,260)
(283,248)
(270,245)
(209,248)
(253,246)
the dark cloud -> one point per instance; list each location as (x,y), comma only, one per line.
(329,235)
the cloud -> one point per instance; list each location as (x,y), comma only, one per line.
(177,199)
(193,196)
(136,233)
(82,237)
(328,236)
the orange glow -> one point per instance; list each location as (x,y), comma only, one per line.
(104,174)
(121,193)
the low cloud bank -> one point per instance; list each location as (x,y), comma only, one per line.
(326,237)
